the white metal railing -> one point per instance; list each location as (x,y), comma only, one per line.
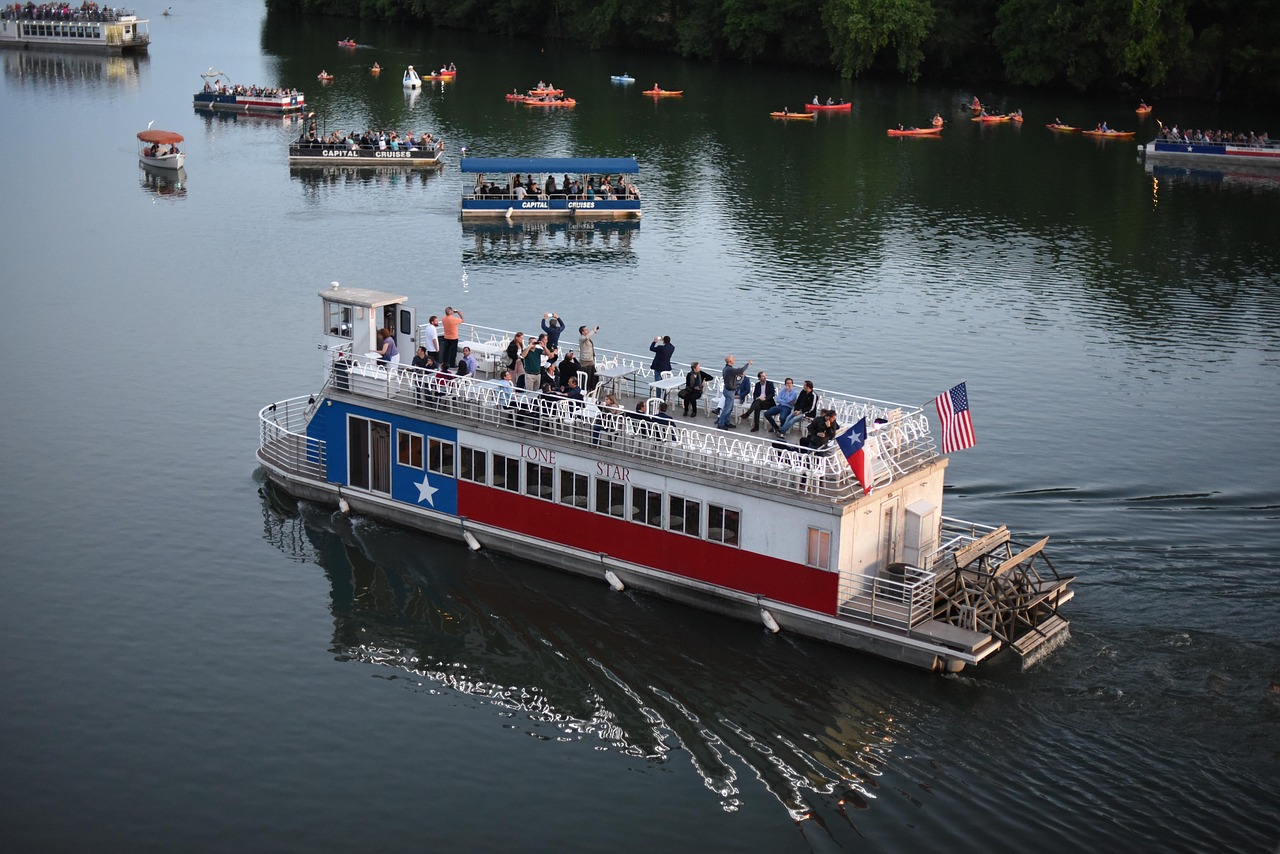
(898,601)
(283,441)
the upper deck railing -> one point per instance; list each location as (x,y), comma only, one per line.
(897,446)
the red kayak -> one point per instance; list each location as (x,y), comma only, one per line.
(843,108)
(914,132)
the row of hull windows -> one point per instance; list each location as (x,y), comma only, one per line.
(65,31)
(623,501)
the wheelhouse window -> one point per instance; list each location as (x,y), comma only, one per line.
(722,525)
(338,319)
(573,489)
(684,515)
(819,551)
(646,506)
(471,464)
(440,457)
(506,472)
(409,449)
(539,480)
(611,498)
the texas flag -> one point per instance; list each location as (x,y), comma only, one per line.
(851,442)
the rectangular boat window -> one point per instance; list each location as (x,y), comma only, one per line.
(819,552)
(539,480)
(506,472)
(646,506)
(611,498)
(723,525)
(471,464)
(573,489)
(409,449)
(440,457)
(684,515)
(337,319)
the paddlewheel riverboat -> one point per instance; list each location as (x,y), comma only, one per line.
(497,196)
(105,30)
(756,528)
(219,93)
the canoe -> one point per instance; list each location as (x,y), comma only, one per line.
(538,93)
(1062,128)
(782,114)
(664,93)
(1110,134)
(538,102)
(846,107)
(991,119)
(933,131)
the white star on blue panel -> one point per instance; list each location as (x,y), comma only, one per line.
(426,492)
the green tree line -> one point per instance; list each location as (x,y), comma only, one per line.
(1226,49)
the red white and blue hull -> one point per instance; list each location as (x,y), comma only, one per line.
(260,104)
(1220,156)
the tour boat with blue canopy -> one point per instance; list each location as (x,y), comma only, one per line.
(536,186)
(840,538)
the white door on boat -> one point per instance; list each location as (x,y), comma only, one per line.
(406,333)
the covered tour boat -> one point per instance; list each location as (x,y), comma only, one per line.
(845,543)
(518,186)
(159,149)
(102,30)
(411,79)
(219,93)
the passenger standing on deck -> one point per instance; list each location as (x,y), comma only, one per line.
(730,375)
(662,349)
(388,353)
(553,326)
(587,353)
(449,352)
(694,384)
(431,338)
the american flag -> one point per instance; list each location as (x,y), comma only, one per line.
(953,412)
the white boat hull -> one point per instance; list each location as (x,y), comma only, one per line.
(172,162)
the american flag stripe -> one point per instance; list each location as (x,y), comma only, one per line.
(957,425)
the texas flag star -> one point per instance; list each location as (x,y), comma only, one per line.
(426,492)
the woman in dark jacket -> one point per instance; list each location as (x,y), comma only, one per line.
(694,383)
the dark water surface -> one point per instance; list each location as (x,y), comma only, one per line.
(193,662)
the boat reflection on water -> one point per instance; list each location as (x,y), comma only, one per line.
(496,241)
(73,68)
(163,183)
(568,660)
(1241,177)
(260,117)
(319,178)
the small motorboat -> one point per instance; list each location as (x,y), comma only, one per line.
(663,93)
(347,43)
(377,69)
(411,78)
(324,77)
(1110,134)
(159,149)
(842,107)
(930,131)
(622,78)
(786,114)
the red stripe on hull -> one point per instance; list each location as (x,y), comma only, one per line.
(678,554)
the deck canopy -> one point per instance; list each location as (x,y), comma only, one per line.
(161,137)
(532,165)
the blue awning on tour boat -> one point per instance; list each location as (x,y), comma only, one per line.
(555,165)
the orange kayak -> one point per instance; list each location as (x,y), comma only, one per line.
(992,118)
(1144,109)
(1110,134)
(1063,128)
(664,93)
(783,114)
(541,102)
(914,131)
